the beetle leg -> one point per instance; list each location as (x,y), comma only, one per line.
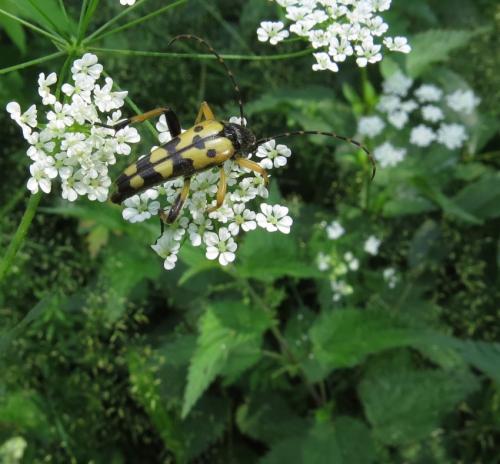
(221,191)
(205,113)
(174,126)
(253,166)
(175,209)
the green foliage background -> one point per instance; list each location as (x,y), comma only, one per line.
(107,358)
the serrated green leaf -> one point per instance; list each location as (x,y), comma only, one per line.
(326,443)
(482,198)
(282,257)
(405,405)
(229,343)
(482,355)
(343,338)
(425,52)
(268,418)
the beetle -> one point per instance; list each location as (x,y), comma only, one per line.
(209,143)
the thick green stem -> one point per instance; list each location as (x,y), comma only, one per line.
(20,235)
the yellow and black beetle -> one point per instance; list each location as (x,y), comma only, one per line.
(207,144)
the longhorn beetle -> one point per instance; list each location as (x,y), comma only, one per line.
(208,143)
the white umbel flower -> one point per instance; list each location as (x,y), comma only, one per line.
(139,208)
(463,101)
(167,248)
(221,245)
(336,29)
(372,244)
(371,126)
(335,230)
(422,136)
(272,32)
(274,218)
(452,136)
(388,155)
(68,146)
(273,155)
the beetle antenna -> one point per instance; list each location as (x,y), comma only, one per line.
(221,61)
(328,134)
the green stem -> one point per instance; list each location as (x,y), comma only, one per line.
(62,75)
(20,235)
(27,64)
(33,27)
(203,56)
(94,36)
(282,342)
(63,9)
(132,105)
(114,20)
(82,16)
(87,18)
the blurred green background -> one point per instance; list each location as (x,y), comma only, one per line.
(101,349)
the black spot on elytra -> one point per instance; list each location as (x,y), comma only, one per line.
(198,142)
(182,166)
(198,128)
(211,153)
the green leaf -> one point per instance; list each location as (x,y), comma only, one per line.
(425,49)
(343,338)
(126,265)
(481,198)
(268,417)
(228,344)
(482,355)
(405,405)
(426,245)
(47,13)
(326,443)
(448,205)
(268,256)
(15,32)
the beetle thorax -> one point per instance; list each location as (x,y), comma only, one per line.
(242,138)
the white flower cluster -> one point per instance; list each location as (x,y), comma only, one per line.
(215,231)
(127,2)
(340,264)
(337,29)
(433,116)
(69,147)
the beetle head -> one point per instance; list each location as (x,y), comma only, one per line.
(242,138)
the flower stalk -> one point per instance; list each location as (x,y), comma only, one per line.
(20,235)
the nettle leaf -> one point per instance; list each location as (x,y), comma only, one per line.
(425,52)
(326,442)
(482,198)
(268,256)
(268,417)
(186,439)
(482,355)
(343,338)
(228,344)
(405,405)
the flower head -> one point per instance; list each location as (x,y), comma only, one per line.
(69,147)
(337,29)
